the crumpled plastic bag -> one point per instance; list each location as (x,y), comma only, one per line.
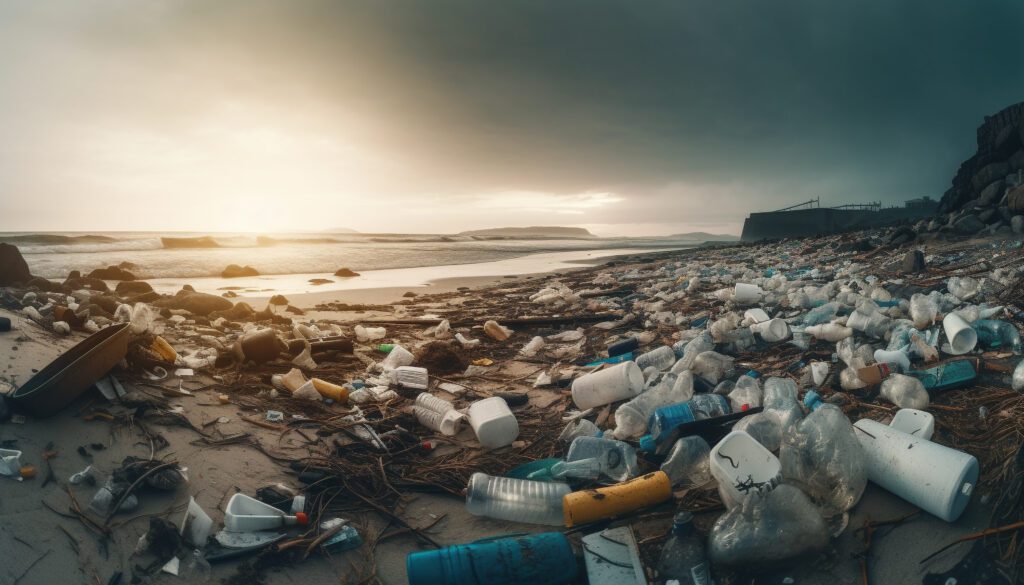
(905,392)
(822,456)
(768,529)
(713,366)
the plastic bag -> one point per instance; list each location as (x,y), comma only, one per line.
(688,462)
(905,392)
(778,391)
(923,310)
(963,288)
(766,529)
(713,366)
(822,456)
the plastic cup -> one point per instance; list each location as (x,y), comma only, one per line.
(609,385)
(772,331)
(962,337)
(746,293)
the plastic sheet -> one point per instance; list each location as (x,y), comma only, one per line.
(822,456)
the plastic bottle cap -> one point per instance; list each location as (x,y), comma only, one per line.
(647,444)
(745,408)
(302,518)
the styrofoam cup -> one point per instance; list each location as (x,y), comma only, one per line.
(609,385)
(772,330)
(962,337)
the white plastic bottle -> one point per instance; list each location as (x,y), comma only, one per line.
(662,358)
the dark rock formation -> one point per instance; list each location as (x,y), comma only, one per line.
(195,302)
(111,273)
(345,272)
(236,271)
(13,268)
(1000,153)
(133,287)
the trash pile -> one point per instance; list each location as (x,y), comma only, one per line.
(741,397)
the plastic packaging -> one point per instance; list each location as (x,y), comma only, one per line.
(746,294)
(437,414)
(492,421)
(495,331)
(768,529)
(695,347)
(590,505)
(822,456)
(411,377)
(364,334)
(905,392)
(661,358)
(913,422)
(934,478)
(531,348)
(517,500)
(742,466)
(713,366)
(579,428)
(772,331)
(618,382)
(631,418)
(765,427)
(537,559)
(962,338)
(683,559)
(328,390)
(687,463)
(947,375)
(819,372)
(896,358)
(829,332)
(246,514)
(923,310)
(667,418)
(397,357)
(963,288)
(747,391)
(616,461)
(143,318)
(993,334)
(779,391)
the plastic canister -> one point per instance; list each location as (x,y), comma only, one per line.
(914,422)
(538,559)
(935,478)
(609,385)
(492,421)
(590,505)
(743,466)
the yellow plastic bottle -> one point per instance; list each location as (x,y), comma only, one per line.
(615,500)
(328,390)
(165,350)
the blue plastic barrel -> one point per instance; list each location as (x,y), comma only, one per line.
(700,407)
(535,559)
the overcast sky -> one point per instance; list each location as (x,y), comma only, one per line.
(436,116)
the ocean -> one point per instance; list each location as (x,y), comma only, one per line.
(177,255)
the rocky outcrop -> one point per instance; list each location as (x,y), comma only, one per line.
(133,287)
(13,268)
(236,271)
(346,272)
(111,273)
(997,165)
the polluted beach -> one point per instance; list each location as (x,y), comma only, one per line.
(624,370)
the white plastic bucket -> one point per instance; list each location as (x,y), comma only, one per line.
(962,337)
(914,422)
(746,293)
(492,421)
(743,466)
(609,385)
(934,478)
(772,330)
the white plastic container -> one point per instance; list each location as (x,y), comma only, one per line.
(437,414)
(397,357)
(919,423)
(246,514)
(747,293)
(492,421)
(772,330)
(743,466)
(10,463)
(937,479)
(895,357)
(962,337)
(754,316)
(411,377)
(609,385)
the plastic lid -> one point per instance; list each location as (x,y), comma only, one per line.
(647,444)
(745,407)
(753,374)
(302,518)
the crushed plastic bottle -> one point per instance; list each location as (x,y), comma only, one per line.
(631,418)
(993,334)
(687,463)
(905,392)
(823,457)
(747,391)
(661,358)
(697,346)
(713,366)
(615,460)
(683,559)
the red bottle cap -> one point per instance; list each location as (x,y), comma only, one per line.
(302,518)
(745,408)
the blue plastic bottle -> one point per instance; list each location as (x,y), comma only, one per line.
(667,418)
(536,559)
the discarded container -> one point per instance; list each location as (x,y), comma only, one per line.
(10,463)
(616,460)
(688,462)
(537,559)
(496,331)
(609,385)
(492,421)
(74,372)
(517,500)
(196,524)
(946,376)
(397,357)
(632,417)
(411,377)
(364,334)
(918,423)
(163,348)
(935,478)
(746,293)
(260,346)
(743,466)
(772,331)
(702,406)
(347,538)
(612,557)
(683,559)
(905,392)
(754,316)
(993,334)
(437,414)
(962,338)
(624,346)
(897,360)
(661,358)
(246,514)
(590,505)
(328,390)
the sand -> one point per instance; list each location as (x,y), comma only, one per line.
(28,530)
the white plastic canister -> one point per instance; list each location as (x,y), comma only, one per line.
(492,421)
(743,466)
(609,385)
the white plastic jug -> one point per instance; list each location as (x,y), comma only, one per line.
(492,421)
(743,466)
(246,514)
(934,478)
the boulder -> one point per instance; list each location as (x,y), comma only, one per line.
(111,273)
(901,235)
(13,268)
(988,174)
(1016,161)
(86,283)
(279,300)
(236,271)
(346,272)
(239,312)
(913,261)
(993,193)
(969,225)
(987,215)
(133,287)
(108,302)
(295,310)
(42,284)
(195,302)
(1017,223)
(146,297)
(1015,200)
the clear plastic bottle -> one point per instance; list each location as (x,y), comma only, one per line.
(661,358)
(518,500)
(631,418)
(700,407)
(687,463)
(697,346)
(683,558)
(713,366)
(905,392)
(995,334)
(747,391)
(598,458)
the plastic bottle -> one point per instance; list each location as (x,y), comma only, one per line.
(537,559)
(661,358)
(701,406)
(923,310)
(687,462)
(829,332)
(713,366)
(397,357)
(994,334)
(590,505)
(631,418)
(615,460)
(683,559)
(609,385)
(746,392)
(695,347)
(518,500)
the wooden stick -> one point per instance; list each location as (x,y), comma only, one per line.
(975,536)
